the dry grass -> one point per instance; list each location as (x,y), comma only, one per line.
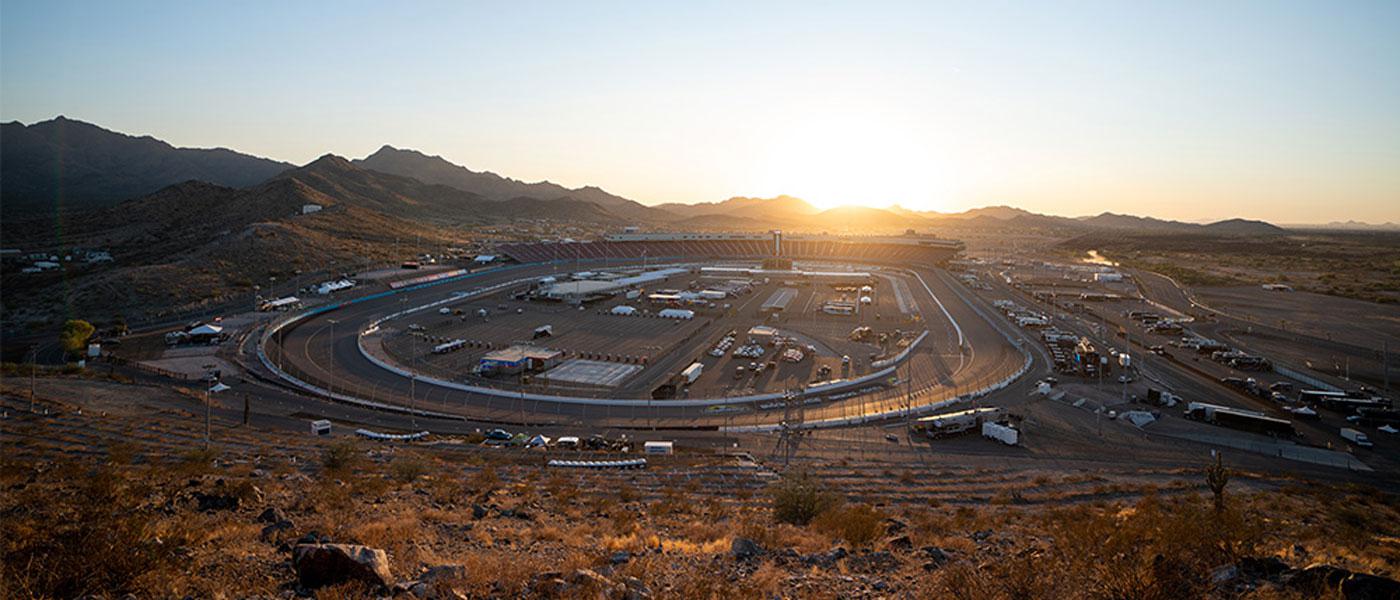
(128,525)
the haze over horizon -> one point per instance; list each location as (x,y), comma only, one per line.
(1284,112)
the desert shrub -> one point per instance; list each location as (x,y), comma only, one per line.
(341,457)
(858,525)
(799,497)
(95,537)
(408,468)
(485,480)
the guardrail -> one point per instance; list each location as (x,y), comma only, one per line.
(921,409)
(373,327)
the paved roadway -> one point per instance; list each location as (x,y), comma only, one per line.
(323,350)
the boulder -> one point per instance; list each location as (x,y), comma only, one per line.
(479,511)
(744,548)
(320,565)
(934,557)
(271,515)
(894,526)
(1336,582)
(314,537)
(620,557)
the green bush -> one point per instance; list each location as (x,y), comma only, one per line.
(799,497)
(341,457)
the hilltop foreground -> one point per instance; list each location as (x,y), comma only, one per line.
(108,492)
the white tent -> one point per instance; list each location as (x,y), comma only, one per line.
(676,313)
(623,310)
(207,329)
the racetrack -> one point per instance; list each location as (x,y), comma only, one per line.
(325,350)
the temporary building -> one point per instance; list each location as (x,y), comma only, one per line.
(623,310)
(676,313)
(1001,433)
(659,448)
(206,331)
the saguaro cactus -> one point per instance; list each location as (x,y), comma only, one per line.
(1217,477)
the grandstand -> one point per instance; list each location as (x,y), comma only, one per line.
(889,250)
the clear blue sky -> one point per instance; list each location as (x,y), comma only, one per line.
(1194,110)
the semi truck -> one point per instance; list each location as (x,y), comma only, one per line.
(1239,418)
(956,422)
(1356,437)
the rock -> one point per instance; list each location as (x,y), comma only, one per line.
(825,560)
(271,515)
(744,548)
(620,557)
(874,562)
(444,572)
(517,513)
(314,537)
(320,565)
(981,536)
(635,589)
(1262,568)
(894,526)
(1335,582)
(901,543)
(590,579)
(212,502)
(550,587)
(479,511)
(934,557)
(1223,574)
(272,533)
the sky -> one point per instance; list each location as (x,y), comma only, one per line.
(1279,110)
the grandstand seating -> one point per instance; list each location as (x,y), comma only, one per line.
(885,251)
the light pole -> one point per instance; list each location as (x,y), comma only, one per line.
(209,380)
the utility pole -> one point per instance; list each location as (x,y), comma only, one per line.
(209,380)
(33,372)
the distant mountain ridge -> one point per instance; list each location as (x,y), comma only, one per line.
(438,170)
(64,164)
(74,166)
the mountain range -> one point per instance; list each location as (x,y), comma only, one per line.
(70,166)
(193,227)
(67,164)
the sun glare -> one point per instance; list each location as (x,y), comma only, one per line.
(835,159)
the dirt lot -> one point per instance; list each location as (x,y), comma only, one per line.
(1360,323)
(664,346)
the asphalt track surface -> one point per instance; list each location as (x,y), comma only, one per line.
(323,350)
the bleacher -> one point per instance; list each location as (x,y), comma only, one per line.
(880,251)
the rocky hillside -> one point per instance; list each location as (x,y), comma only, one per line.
(437,170)
(68,165)
(269,514)
(195,244)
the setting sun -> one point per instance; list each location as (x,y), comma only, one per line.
(849,156)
